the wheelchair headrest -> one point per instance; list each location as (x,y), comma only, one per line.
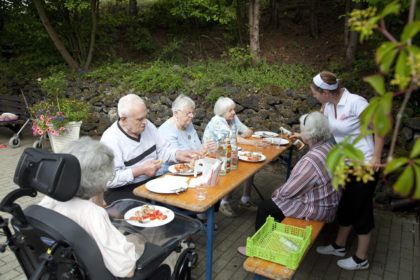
(56,175)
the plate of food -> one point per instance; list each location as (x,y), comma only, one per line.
(168,184)
(182,169)
(149,216)
(251,156)
(276,141)
(264,134)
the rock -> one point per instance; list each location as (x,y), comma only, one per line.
(407,133)
(250,101)
(112,114)
(166,101)
(413,123)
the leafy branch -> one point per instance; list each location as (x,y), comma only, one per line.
(399,65)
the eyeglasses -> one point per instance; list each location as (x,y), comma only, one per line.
(304,120)
(188,114)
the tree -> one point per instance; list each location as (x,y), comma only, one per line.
(79,56)
(132,8)
(399,77)
(254,30)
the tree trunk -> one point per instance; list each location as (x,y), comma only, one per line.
(132,8)
(351,48)
(94,6)
(352,38)
(254,30)
(314,19)
(346,22)
(54,36)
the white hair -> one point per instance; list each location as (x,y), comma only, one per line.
(222,105)
(314,127)
(96,163)
(182,102)
(127,103)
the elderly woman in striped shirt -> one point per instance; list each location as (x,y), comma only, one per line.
(308,193)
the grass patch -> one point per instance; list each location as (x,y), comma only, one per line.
(211,78)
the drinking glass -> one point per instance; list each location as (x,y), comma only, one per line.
(201,191)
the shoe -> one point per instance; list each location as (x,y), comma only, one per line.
(204,222)
(350,264)
(330,250)
(248,206)
(242,250)
(227,210)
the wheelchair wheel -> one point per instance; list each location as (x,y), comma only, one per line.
(186,260)
(14,142)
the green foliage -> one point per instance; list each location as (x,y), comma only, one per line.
(140,38)
(408,183)
(238,57)
(221,12)
(401,62)
(171,52)
(55,85)
(205,78)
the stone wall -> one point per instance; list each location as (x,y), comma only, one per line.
(268,109)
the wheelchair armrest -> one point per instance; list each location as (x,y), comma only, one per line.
(152,257)
(149,261)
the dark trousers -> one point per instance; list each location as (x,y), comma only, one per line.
(267,208)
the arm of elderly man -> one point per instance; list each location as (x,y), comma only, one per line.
(138,160)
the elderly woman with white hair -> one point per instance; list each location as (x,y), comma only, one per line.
(120,253)
(179,130)
(308,192)
(221,125)
(96,162)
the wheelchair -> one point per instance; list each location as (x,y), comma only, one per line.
(49,245)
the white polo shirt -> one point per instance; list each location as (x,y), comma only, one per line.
(346,121)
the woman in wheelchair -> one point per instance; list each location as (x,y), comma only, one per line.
(119,254)
(96,162)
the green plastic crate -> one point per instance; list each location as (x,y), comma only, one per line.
(266,244)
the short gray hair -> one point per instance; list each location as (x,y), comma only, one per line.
(314,127)
(96,163)
(222,105)
(127,103)
(182,102)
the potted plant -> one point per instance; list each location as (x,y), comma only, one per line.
(58,117)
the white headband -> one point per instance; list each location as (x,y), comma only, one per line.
(323,85)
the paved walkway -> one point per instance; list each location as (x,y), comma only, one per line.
(394,252)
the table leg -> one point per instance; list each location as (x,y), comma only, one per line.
(209,245)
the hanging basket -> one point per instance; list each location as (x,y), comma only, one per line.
(58,143)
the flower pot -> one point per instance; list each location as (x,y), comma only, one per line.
(58,143)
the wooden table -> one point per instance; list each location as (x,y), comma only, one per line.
(226,184)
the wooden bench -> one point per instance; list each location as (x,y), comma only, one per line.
(276,271)
(17,105)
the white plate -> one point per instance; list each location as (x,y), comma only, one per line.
(245,158)
(265,134)
(168,184)
(173,171)
(169,217)
(276,141)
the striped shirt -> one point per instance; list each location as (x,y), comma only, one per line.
(130,152)
(308,193)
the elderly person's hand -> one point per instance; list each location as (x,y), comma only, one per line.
(209,147)
(186,155)
(149,168)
